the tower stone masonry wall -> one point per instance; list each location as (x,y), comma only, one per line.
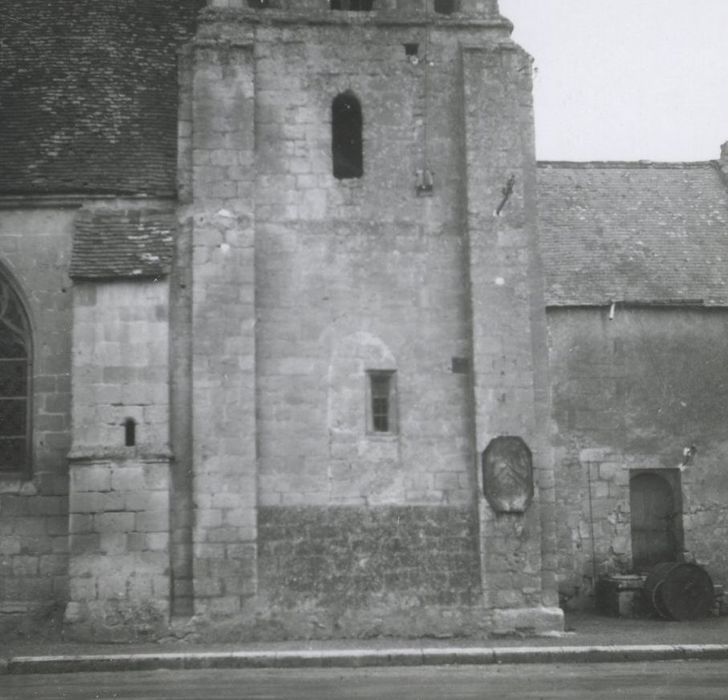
(222,218)
(339,277)
(257,498)
(206,460)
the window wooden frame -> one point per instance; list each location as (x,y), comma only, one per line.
(382,418)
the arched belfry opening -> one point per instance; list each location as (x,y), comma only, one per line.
(347,143)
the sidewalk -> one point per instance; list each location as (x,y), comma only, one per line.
(589,638)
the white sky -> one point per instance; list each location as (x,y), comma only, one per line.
(626,79)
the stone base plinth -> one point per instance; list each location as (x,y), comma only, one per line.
(116,621)
(528,621)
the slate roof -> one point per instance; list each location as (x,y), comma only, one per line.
(634,232)
(116,243)
(88,94)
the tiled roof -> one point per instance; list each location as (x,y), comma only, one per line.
(88,94)
(634,232)
(117,244)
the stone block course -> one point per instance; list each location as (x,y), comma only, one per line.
(119,553)
(114,522)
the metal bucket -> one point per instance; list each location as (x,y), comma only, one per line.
(679,591)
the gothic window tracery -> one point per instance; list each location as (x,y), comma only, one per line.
(15,355)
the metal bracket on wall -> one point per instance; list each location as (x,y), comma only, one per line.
(507,191)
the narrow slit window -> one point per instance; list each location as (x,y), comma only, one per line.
(352,5)
(130,432)
(346,137)
(382,402)
(446,7)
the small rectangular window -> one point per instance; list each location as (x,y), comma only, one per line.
(446,7)
(382,405)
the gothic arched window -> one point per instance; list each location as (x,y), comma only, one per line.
(346,137)
(15,359)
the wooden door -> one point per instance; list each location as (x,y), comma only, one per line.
(654,516)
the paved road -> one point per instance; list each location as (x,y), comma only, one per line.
(683,680)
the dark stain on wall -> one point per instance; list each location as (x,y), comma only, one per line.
(357,556)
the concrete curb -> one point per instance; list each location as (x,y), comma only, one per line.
(332,658)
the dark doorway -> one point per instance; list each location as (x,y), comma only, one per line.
(656,515)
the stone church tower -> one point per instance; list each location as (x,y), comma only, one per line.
(354,314)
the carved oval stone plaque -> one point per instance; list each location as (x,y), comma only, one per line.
(508,474)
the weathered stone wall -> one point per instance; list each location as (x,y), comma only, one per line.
(220,224)
(369,571)
(120,364)
(294,284)
(35,247)
(508,319)
(119,545)
(631,394)
(359,274)
(119,497)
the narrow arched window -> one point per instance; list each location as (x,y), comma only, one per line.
(130,432)
(15,361)
(346,137)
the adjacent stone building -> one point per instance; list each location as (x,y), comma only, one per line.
(298,339)
(637,296)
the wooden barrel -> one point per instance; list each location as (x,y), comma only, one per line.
(679,591)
